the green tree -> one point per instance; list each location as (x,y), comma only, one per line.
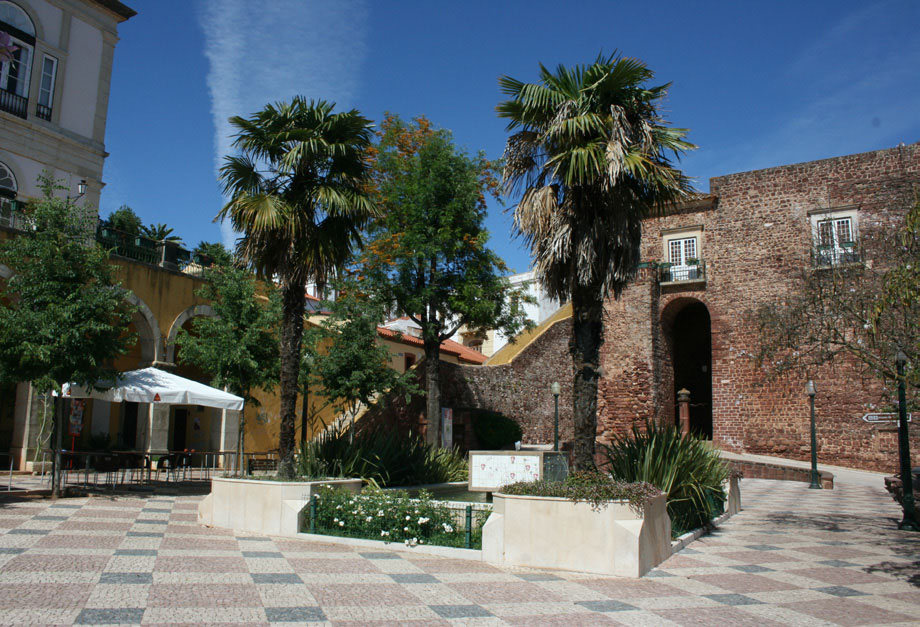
(125,220)
(352,367)
(63,316)
(298,194)
(592,155)
(160,233)
(861,311)
(427,252)
(238,347)
(215,251)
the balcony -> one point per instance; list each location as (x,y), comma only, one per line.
(687,274)
(826,256)
(14,103)
(43,112)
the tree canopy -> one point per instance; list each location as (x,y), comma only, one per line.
(427,253)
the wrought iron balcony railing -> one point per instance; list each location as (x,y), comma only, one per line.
(14,103)
(43,112)
(10,215)
(690,273)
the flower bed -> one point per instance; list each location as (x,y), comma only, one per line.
(393,516)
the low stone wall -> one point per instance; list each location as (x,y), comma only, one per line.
(266,507)
(545,532)
(780,472)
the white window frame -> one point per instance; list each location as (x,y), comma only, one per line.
(41,82)
(683,271)
(837,250)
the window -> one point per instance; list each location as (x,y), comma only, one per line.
(9,216)
(682,255)
(16,71)
(46,88)
(834,234)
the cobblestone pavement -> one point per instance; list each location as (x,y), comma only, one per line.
(793,556)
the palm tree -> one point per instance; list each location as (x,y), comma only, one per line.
(299,195)
(160,233)
(591,153)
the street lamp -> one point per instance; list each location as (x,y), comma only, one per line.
(556,389)
(811,389)
(909,521)
(81,191)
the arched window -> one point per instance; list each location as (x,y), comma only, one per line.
(16,70)
(8,187)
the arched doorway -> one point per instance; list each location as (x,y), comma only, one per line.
(691,357)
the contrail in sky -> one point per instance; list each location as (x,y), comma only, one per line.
(261,52)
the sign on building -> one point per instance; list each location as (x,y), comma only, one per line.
(879,418)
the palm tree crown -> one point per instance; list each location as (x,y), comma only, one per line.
(298,191)
(591,153)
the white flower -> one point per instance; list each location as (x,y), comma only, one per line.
(408,517)
(405,529)
(338,507)
(341,523)
(380,512)
(369,518)
(423,520)
(447,528)
(384,533)
(335,520)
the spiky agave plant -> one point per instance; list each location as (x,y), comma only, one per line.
(687,468)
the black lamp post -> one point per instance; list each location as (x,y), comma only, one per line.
(557,389)
(909,521)
(811,389)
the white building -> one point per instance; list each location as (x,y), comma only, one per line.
(538,311)
(54,94)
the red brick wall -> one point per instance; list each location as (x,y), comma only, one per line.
(756,240)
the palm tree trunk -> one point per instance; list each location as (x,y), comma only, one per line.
(293,307)
(584,346)
(433,390)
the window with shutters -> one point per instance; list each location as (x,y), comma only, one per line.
(834,234)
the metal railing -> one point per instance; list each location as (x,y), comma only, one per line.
(683,274)
(834,255)
(163,254)
(14,103)
(43,112)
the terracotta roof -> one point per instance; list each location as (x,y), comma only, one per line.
(463,353)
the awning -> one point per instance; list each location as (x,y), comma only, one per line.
(152,385)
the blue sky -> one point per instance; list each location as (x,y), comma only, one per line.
(757,85)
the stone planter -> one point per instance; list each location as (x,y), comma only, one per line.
(546,532)
(266,507)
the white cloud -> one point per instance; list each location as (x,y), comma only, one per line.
(261,52)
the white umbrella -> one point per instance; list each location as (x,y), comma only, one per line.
(152,385)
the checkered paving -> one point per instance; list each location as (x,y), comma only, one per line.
(794,556)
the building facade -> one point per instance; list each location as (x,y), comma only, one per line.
(54,93)
(690,324)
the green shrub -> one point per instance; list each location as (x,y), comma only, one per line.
(593,487)
(494,430)
(687,468)
(380,454)
(392,516)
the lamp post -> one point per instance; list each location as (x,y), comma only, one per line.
(811,389)
(909,521)
(557,389)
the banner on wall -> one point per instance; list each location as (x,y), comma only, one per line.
(447,427)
